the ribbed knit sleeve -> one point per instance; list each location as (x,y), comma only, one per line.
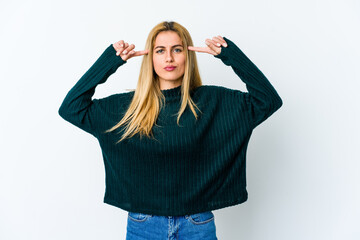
(262,100)
(78,108)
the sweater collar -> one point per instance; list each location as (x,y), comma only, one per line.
(172,92)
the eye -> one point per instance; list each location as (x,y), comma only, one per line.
(178,49)
(159,50)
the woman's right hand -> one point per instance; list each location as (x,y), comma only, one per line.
(126,51)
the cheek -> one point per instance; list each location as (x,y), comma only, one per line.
(155,64)
(182,63)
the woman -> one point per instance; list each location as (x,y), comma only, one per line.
(182,149)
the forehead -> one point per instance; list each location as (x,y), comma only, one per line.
(167,38)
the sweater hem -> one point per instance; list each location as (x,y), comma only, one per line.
(164,212)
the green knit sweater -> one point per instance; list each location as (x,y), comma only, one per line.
(197,167)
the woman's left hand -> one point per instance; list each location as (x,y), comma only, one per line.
(213,46)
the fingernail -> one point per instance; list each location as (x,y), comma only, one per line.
(218,44)
(225,45)
(124,52)
(121,45)
(117,53)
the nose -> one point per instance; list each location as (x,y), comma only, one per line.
(169,57)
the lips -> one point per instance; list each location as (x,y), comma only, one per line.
(169,68)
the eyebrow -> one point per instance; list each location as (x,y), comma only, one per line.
(179,45)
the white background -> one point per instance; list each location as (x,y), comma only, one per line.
(302,163)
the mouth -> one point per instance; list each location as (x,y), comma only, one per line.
(170,68)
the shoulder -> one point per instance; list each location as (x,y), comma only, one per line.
(218,90)
(116,101)
(213,94)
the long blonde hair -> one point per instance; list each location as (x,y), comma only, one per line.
(148,99)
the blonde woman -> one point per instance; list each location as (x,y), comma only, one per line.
(174,149)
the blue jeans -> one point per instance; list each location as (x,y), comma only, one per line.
(152,227)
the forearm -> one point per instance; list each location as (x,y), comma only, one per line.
(262,98)
(78,107)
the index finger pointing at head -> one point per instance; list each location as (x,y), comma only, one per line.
(139,53)
(198,49)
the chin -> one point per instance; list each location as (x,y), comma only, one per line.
(175,78)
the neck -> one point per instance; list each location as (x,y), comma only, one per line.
(169,84)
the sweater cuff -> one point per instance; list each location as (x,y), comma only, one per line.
(110,55)
(225,51)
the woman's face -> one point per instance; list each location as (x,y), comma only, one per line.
(169,51)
